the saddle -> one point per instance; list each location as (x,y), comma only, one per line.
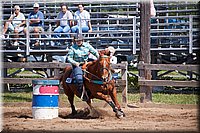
(71,80)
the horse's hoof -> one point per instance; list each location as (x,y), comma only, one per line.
(120,114)
(86,110)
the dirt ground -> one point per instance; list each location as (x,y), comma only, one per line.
(147,117)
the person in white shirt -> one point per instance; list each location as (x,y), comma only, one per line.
(63,22)
(15,24)
(81,20)
(152,9)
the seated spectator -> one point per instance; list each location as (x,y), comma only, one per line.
(15,24)
(36,22)
(84,24)
(63,22)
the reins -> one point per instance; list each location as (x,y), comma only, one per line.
(99,80)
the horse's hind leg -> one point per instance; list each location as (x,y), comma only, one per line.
(71,101)
(70,96)
(67,89)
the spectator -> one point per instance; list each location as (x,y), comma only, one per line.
(152,9)
(65,21)
(84,24)
(110,51)
(36,22)
(15,24)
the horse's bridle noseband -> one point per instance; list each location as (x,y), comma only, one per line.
(109,76)
(100,80)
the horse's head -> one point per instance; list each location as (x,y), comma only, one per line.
(104,67)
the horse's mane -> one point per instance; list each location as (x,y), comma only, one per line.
(92,63)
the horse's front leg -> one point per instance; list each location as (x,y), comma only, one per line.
(101,96)
(118,110)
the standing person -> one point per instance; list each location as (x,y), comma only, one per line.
(36,22)
(63,22)
(15,24)
(84,24)
(152,9)
(77,56)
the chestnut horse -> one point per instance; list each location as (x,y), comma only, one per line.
(98,80)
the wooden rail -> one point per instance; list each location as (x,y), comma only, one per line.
(56,67)
(179,67)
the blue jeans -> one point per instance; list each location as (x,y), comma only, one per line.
(78,74)
(75,29)
(62,29)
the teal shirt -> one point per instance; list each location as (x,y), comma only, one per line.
(80,54)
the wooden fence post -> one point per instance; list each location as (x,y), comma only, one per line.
(124,91)
(145,91)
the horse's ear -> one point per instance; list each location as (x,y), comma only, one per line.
(101,53)
(104,52)
(107,53)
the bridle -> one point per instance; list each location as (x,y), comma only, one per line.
(107,77)
(103,80)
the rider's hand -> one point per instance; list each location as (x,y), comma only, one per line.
(84,65)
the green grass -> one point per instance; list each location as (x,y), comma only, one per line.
(176,98)
(17,97)
(157,98)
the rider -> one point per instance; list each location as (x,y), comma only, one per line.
(77,56)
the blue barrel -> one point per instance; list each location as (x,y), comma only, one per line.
(45,99)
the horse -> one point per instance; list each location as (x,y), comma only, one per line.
(98,81)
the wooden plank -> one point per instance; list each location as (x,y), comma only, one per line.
(21,80)
(179,67)
(119,82)
(191,83)
(34,65)
(49,65)
(119,66)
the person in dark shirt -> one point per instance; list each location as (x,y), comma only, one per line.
(36,22)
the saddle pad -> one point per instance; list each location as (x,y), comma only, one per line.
(70,79)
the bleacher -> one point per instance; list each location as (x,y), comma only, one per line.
(115,23)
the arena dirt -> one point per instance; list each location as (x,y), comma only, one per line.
(147,117)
